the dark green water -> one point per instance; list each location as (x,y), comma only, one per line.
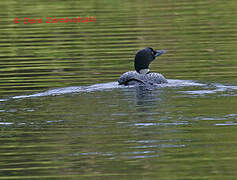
(63,116)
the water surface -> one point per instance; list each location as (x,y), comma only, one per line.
(64,116)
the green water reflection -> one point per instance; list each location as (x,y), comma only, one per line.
(199,37)
(117,135)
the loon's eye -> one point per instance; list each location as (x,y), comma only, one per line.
(152,51)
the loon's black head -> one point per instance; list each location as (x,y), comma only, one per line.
(144,57)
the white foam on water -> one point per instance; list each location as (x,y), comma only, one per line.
(74,89)
(211,89)
(207,89)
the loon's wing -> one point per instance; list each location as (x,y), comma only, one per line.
(131,80)
(129,77)
(132,77)
(156,78)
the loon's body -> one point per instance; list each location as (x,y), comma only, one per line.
(142,75)
(133,77)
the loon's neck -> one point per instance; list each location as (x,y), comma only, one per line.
(144,71)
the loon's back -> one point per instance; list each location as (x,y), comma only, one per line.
(133,78)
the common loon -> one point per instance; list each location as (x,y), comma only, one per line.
(142,75)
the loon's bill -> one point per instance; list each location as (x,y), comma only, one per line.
(160,52)
(142,74)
